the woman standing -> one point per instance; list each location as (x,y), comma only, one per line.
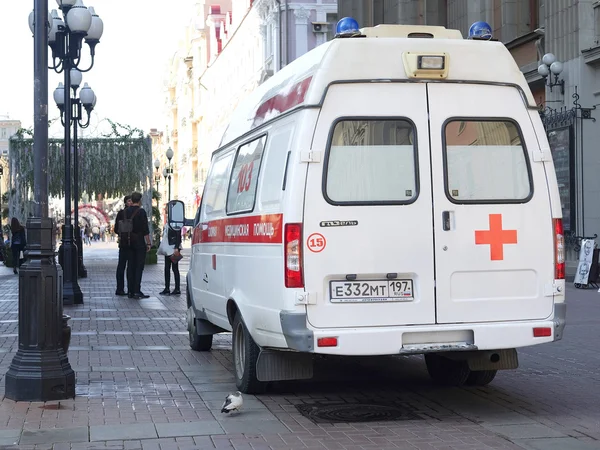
(17,242)
(174,239)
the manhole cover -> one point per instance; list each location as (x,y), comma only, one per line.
(355,412)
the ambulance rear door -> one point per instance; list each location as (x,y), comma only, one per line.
(368,239)
(494,247)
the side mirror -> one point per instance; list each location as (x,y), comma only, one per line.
(176,214)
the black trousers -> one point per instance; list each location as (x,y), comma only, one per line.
(121,269)
(168,265)
(16,253)
(136,259)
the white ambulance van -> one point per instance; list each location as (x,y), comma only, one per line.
(384,194)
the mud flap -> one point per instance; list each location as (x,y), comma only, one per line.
(493,360)
(274,365)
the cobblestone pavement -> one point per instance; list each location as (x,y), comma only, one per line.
(139,386)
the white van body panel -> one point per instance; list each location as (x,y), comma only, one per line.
(250,271)
(461,296)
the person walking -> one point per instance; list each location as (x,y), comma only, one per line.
(17,243)
(172,261)
(122,264)
(137,242)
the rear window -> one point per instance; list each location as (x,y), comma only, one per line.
(486,162)
(371,161)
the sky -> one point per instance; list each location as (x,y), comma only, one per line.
(140,37)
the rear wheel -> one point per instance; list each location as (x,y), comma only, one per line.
(446,372)
(481,377)
(245,356)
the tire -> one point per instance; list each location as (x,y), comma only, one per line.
(199,342)
(446,372)
(481,377)
(188,298)
(245,355)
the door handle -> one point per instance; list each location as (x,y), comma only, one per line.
(446,220)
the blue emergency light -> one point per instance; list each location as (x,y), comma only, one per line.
(347,26)
(480,30)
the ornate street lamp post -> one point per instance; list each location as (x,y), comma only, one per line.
(66,39)
(87,99)
(551,66)
(40,370)
(157,179)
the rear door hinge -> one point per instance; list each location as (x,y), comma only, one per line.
(552,289)
(306,298)
(310,157)
(542,155)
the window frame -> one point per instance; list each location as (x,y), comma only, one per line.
(237,153)
(412,200)
(525,155)
(197,216)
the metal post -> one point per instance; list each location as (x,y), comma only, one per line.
(170,184)
(157,179)
(72,294)
(81,269)
(40,371)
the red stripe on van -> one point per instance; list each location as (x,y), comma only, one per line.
(283,101)
(264,229)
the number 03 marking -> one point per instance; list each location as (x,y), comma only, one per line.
(316,242)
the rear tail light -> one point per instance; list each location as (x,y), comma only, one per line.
(542,332)
(327,342)
(293,256)
(559,250)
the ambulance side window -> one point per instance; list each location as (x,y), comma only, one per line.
(244,177)
(486,162)
(272,175)
(371,161)
(215,191)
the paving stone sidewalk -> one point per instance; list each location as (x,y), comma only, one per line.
(139,386)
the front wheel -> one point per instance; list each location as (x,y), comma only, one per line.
(245,356)
(447,372)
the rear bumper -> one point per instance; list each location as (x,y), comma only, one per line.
(420,339)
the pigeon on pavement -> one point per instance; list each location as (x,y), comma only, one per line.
(233,402)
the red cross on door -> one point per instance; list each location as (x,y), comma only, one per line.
(496,237)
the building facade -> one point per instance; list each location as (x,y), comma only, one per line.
(227,50)
(8,128)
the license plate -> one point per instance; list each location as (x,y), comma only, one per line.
(370,291)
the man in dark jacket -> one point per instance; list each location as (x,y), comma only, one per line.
(136,243)
(122,251)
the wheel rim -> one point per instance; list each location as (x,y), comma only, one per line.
(239,351)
